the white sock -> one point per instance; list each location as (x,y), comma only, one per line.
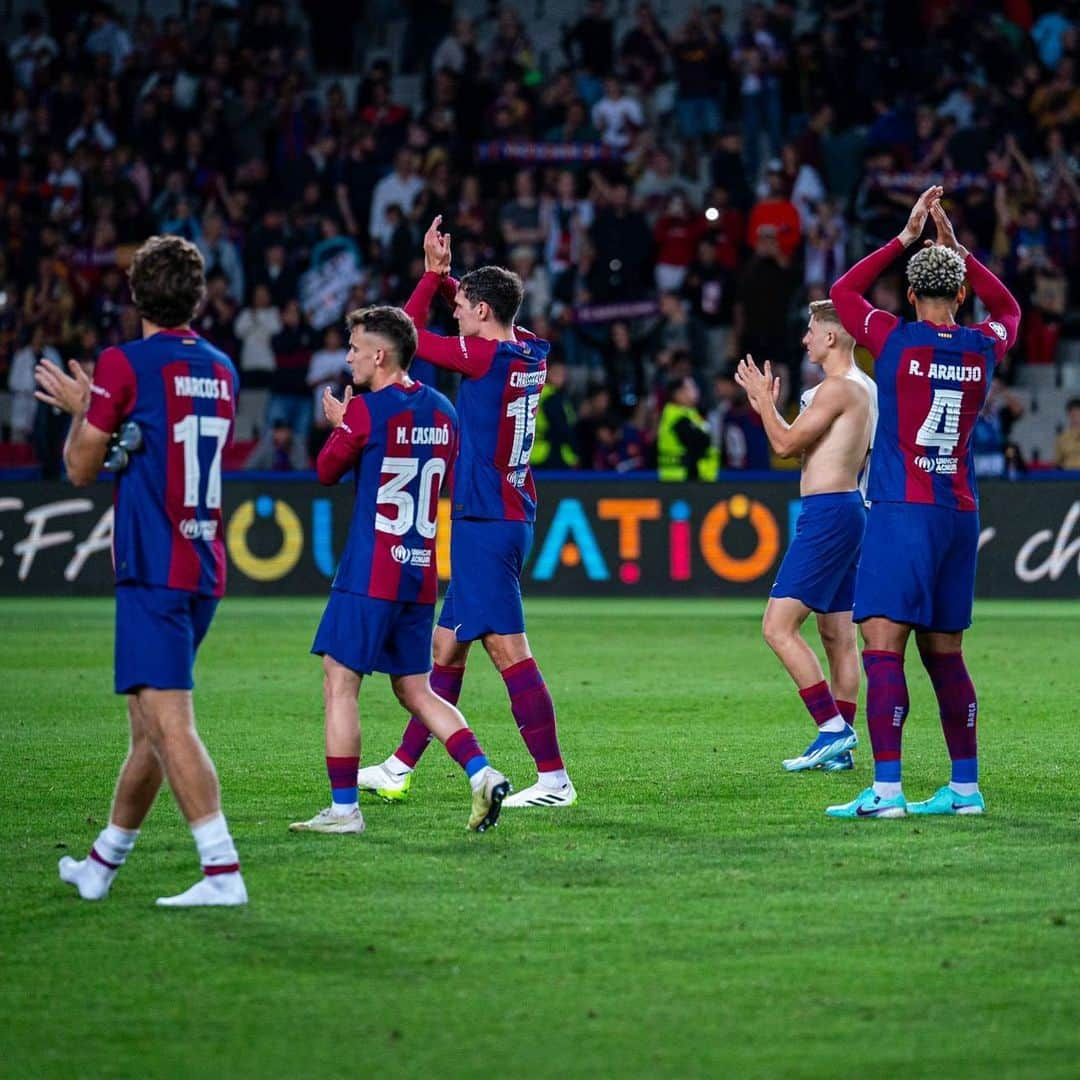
(214,842)
(114,844)
(344,809)
(887,790)
(554,780)
(963,789)
(837,723)
(395,765)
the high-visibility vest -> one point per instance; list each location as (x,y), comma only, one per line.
(541,448)
(671,453)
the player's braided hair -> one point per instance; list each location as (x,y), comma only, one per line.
(168,281)
(391,324)
(499,288)
(936,271)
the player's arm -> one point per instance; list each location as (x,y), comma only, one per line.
(470,356)
(868,325)
(351,422)
(794,439)
(1002,305)
(96,409)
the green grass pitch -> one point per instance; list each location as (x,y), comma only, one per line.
(694,915)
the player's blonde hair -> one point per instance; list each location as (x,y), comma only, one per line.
(936,272)
(825,311)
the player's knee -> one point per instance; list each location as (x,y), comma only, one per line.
(413,698)
(339,681)
(775,630)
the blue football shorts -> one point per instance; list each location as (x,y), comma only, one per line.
(819,567)
(367,634)
(918,566)
(486,562)
(158,632)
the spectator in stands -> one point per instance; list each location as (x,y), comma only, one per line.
(775,211)
(553,445)
(590,42)
(593,414)
(644,49)
(684,447)
(398,188)
(220,254)
(617,116)
(1067,446)
(709,287)
(290,397)
(520,219)
(676,235)
(745,444)
(278,451)
(22,384)
(623,246)
(763,294)
(699,57)
(255,328)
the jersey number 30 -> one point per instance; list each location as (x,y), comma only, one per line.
(188,431)
(410,511)
(941,428)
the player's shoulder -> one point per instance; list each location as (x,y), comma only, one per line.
(990,331)
(438,402)
(527,347)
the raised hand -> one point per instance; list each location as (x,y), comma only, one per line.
(437,248)
(919,213)
(762,389)
(71,393)
(335,409)
(946,234)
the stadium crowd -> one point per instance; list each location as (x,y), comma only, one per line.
(672,195)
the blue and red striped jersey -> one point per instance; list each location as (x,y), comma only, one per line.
(932,382)
(498,401)
(181,391)
(400,442)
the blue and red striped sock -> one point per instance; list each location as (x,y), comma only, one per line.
(342,772)
(820,705)
(534,711)
(847,711)
(465,750)
(958,708)
(886,711)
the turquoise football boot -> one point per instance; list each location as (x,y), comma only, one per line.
(868,805)
(946,801)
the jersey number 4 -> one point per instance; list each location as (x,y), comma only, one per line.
(941,428)
(188,431)
(410,511)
